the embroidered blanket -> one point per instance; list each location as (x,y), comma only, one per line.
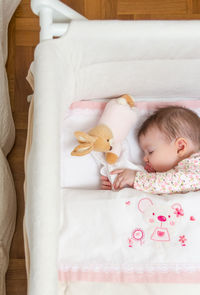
(129,237)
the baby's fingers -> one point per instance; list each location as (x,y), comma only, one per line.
(104,177)
(105,187)
(105,180)
(123,184)
(106,183)
(117,182)
(117,171)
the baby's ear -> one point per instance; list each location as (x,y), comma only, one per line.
(82,149)
(83,137)
(181,146)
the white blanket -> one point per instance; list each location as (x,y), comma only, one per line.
(129,237)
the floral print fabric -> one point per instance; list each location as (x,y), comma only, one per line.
(184,177)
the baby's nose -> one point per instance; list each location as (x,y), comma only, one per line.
(145,159)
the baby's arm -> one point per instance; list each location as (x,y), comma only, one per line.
(171,181)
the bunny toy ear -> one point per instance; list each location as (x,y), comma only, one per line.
(83,137)
(82,149)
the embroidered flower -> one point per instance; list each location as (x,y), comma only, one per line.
(130,242)
(179,212)
(182,239)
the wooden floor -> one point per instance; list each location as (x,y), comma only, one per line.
(23,37)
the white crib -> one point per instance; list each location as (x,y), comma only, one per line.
(117,57)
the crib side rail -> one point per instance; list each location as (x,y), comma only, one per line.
(54,17)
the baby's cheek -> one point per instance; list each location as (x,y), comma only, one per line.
(151,220)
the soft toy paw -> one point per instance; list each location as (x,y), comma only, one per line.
(111,158)
(113,127)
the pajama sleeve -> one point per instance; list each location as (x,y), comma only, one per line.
(171,181)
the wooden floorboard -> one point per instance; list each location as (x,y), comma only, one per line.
(23,37)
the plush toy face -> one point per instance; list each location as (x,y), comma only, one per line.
(98,139)
(103,136)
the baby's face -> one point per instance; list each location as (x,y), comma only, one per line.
(159,154)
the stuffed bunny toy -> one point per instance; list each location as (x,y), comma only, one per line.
(113,127)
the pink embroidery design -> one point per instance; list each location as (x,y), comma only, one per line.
(160,234)
(192,218)
(161,217)
(182,239)
(128,203)
(178,211)
(138,236)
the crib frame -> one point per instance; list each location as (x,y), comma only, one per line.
(55,17)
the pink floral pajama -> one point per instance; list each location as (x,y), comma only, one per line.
(184,177)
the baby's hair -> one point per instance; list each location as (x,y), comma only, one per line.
(174,122)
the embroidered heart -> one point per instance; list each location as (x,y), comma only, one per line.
(160,233)
(192,218)
(128,203)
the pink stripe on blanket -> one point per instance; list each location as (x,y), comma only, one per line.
(100,105)
(130,277)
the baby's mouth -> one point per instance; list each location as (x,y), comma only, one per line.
(149,168)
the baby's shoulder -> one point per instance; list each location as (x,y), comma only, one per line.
(191,162)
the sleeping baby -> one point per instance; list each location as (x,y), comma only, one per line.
(170,140)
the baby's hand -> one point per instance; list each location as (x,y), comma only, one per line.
(105,183)
(125,177)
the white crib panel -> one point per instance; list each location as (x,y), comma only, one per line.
(145,58)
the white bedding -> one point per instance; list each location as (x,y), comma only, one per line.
(121,237)
(95,60)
